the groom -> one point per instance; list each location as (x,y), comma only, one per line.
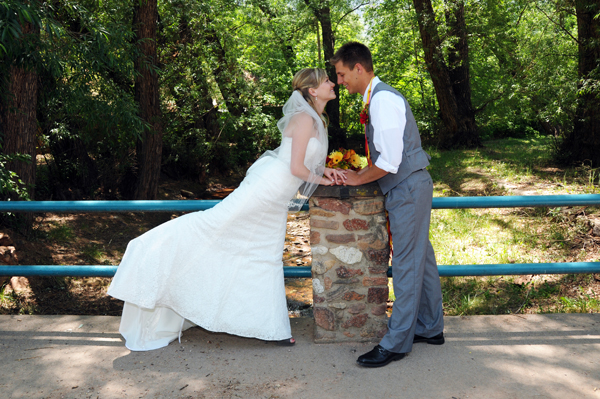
(398,163)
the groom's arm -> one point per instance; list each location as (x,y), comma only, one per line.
(365,176)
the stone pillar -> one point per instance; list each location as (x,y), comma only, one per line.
(350,260)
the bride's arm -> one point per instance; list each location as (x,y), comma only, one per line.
(302,130)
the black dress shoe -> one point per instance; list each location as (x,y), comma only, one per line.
(378,357)
(435,340)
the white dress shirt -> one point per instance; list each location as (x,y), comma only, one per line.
(388,117)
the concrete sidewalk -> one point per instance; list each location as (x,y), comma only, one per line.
(515,356)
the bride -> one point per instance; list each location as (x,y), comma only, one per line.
(222,269)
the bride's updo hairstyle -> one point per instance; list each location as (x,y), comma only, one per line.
(308,78)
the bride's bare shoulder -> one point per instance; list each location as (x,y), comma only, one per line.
(302,119)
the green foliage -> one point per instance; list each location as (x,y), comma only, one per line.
(10,184)
(522,55)
(397,50)
(88,115)
(225,70)
(14,43)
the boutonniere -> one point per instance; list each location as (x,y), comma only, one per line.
(364,115)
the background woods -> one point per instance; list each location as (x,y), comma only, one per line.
(98,98)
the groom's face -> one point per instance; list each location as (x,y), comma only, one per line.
(347,77)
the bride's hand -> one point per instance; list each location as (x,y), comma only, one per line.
(326,181)
(337,176)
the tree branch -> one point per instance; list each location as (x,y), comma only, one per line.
(488,102)
(351,11)
(557,24)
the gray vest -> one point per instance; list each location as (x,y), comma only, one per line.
(413,156)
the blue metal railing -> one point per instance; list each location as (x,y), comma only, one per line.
(196,205)
(201,205)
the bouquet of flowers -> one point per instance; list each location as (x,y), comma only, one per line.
(344,159)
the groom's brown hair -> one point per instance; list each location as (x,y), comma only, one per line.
(353,53)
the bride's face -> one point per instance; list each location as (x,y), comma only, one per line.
(325,91)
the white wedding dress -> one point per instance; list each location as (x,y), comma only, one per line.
(220,269)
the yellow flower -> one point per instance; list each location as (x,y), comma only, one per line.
(336,157)
(355,160)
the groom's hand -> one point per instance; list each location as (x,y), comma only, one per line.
(352,179)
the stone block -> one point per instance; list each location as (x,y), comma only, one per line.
(334,205)
(379,310)
(318,299)
(314,211)
(340,305)
(347,255)
(324,224)
(377,244)
(381,219)
(317,286)
(318,250)
(353,296)
(378,295)
(369,207)
(340,238)
(369,237)
(357,307)
(378,269)
(344,272)
(348,334)
(356,321)
(373,281)
(327,282)
(379,256)
(377,239)
(337,292)
(315,237)
(347,281)
(319,267)
(324,318)
(356,224)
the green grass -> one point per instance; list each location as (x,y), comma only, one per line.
(60,233)
(95,253)
(511,235)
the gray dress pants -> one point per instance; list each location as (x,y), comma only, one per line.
(418,305)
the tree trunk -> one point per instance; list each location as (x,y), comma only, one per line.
(18,122)
(337,136)
(583,144)
(149,149)
(451,81)
(227,74)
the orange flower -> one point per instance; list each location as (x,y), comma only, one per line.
(348,154)
(343,159)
